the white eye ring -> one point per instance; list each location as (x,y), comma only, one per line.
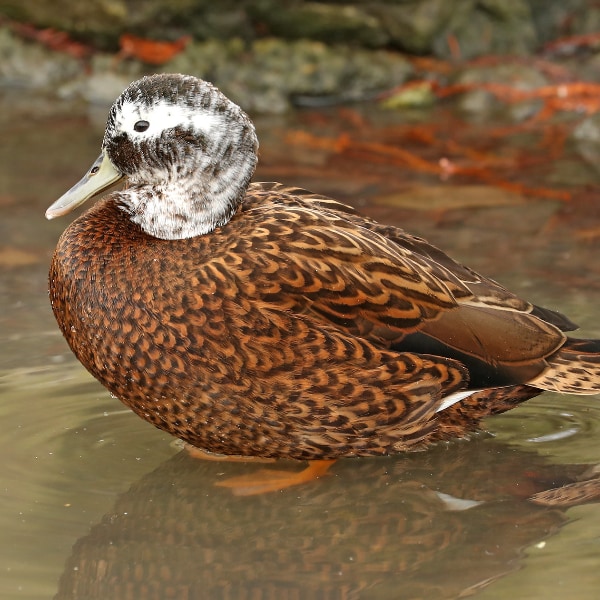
(141,126)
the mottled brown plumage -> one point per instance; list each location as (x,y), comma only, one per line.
(295,327)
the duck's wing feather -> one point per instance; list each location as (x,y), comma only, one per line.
(318,257)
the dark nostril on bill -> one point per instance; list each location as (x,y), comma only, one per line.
(94,170)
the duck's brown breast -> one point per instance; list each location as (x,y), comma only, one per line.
(137,314)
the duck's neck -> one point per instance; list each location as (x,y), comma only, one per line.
(180,209)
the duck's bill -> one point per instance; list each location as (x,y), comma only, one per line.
(101,175)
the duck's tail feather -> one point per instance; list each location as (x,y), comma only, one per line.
(574,369)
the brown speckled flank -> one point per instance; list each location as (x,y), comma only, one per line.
(297,328)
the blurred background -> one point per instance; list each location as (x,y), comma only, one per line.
(473,123)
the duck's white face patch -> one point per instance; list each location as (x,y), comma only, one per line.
(162,116)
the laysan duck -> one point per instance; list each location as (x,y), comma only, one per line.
(261,320)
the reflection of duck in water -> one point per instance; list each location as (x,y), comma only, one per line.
(423,525)
(263,320)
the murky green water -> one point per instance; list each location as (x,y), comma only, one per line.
(97,504)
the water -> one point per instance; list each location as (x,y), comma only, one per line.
(96,503)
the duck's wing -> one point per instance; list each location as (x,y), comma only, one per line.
(483,289)
(318,257)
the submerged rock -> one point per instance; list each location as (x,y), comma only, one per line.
(331,23)
(271,74)
(586,138)
(270,55)
(474,27)
(492,27)
(25,64)
(518,76)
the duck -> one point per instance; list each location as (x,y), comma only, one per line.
(257,319)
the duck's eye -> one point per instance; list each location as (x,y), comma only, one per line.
(141,126)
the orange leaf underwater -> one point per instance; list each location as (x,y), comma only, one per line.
(151,51)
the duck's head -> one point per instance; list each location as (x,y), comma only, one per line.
(187,152)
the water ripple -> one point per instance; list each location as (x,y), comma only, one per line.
(562,425)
